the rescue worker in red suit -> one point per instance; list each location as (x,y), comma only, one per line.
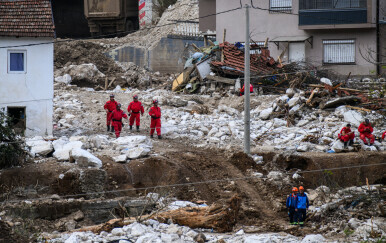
(243,89)
(365,130)
(135,109)
(116,117)
(109,108)
(384,135)
(346,135)
(155,113)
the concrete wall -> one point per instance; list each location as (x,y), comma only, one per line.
(207,7)
(264,24)
(382,47)
(33,89)
(166,57)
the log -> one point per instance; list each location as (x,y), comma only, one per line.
(219,217)
(341,101)
(358,108)
(107,227)
(222,218)
(347,89)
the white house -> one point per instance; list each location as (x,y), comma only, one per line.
(26,64)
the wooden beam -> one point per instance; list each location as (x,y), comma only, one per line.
(312,95)
(223,41)
(196,47)
(211,43)
(358,108)
(221,79)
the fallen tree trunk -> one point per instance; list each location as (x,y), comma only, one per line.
(219,217)
(340,101)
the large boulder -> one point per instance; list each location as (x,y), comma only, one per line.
(353,117)
(87,71)
(84,158)
(313,239)
(264,114)
(66,79)
(137,152)
(63,149)
(38,146)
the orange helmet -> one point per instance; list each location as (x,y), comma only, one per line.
(294,189)
(301,188)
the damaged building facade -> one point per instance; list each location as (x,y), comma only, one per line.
(339,37)
(26,66)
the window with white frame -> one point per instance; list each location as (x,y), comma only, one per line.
(280,5)
(338,51)
(17,61)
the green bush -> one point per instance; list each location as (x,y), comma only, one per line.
(11,145)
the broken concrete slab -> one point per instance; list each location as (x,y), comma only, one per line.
(38,146)
(84,158)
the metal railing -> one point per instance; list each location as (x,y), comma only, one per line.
(331,4)
(187,29)
(280,5)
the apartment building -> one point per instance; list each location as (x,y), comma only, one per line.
(338,35)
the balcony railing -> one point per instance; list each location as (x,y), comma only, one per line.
(332,12)
(331,4)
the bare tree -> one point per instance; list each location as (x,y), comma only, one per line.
(160,6)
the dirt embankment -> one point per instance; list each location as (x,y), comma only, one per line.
(212,173)
(81,52)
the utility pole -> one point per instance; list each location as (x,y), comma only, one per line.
(247,128)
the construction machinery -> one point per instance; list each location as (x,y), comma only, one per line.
(111,17)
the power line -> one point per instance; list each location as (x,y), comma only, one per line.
(189,183)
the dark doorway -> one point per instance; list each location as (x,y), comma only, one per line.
(18,119)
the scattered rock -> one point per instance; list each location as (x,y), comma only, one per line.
(84,158)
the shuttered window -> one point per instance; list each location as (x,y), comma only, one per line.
(338,51)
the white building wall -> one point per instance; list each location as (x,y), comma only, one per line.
(33,89)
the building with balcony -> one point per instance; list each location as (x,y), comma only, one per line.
(336,35)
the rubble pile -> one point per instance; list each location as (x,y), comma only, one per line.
(221,67)
(284,122)
(150,37)
(153,231)
(357,211)
(83,63)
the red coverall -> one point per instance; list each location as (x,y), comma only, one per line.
(383,135)
(243,88)
(135,107)
(346,137)
(155,113)
(116,117)
(365,132)
(110,105)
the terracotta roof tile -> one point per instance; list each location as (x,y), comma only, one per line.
(26,18)
(234,61)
